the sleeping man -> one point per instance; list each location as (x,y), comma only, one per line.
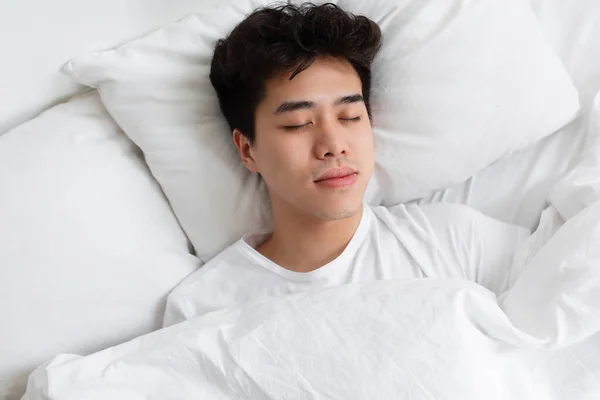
(294,85)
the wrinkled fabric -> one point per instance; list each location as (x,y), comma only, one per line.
(397,339)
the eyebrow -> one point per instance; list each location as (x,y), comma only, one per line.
(353,98)
(290,106)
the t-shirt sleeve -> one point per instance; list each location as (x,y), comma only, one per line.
(483,248)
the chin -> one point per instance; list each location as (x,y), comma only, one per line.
(342,212)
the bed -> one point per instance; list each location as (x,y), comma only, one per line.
(90,245)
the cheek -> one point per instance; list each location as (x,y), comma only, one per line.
(280,160)
(365,143)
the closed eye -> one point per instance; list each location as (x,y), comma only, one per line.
(295,127)
(355,119)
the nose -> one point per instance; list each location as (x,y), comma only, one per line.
(330,141)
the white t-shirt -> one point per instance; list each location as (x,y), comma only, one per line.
(440,240)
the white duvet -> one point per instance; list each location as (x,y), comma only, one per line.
(410,339)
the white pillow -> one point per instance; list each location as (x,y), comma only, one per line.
(89,247)
(457,85)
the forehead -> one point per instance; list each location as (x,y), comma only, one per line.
(324,80)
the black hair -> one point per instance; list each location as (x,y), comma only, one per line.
(287,38)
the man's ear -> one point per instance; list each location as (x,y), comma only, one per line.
(245,150)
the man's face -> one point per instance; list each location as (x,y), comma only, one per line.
(313,141)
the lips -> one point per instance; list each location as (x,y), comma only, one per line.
(334,173)
(337,178)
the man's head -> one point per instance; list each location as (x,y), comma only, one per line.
(294,85)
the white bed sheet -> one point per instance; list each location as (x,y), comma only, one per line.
(515,189)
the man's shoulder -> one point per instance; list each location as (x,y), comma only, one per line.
(453,225)
(440,212)
(431,222)
(220,267)
(212,286)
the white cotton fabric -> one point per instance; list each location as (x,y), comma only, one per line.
(438,241)
(89,248)
(456,86)
(417,339)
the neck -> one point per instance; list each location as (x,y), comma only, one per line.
(303,243)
